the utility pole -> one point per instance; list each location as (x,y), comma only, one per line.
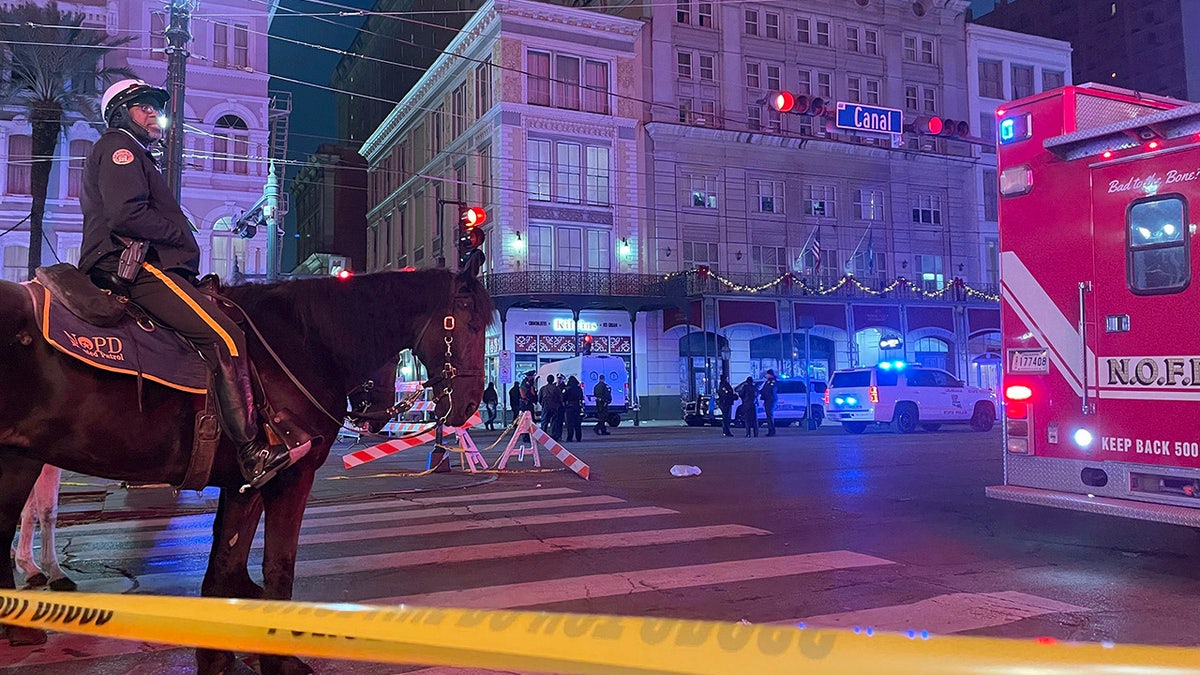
(271,218)
(178,35)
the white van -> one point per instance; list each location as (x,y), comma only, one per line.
(588,369)
(791,402)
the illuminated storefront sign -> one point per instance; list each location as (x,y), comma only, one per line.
(567,325)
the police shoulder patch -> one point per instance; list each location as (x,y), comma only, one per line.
(122,157)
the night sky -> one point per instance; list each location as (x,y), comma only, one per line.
(312,121)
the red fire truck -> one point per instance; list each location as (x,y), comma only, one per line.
(1099,201)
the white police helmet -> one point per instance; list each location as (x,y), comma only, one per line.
(127,91)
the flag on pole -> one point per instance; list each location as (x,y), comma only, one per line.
(816,251)
(870,252)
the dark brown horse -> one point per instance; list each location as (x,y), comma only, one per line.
(331,334)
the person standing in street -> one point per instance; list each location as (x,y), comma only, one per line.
(490,400)
(550,397)
(603,396)
(768,395)
(725,399)
(514,401)
(573,409)
(749,406)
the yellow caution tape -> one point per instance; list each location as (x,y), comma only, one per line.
(559,643)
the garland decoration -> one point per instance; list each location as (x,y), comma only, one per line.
(789,280)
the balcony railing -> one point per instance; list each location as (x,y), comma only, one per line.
(563,282)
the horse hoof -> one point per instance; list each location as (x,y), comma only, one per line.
(21,636)
(63,584)
(36,581)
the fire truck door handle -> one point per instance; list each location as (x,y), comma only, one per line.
(1084,288)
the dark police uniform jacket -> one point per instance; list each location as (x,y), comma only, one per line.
(125,194)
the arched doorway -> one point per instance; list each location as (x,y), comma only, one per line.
(785,355)
(703,358)
(987,366)
(868,352)
(933,352)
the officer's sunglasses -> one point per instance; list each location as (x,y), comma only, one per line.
(147,108)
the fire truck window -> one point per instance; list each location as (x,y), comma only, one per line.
(1158,255)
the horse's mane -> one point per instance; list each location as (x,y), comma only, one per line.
(364,313)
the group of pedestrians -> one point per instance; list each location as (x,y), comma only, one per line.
(748,395)
(560,401)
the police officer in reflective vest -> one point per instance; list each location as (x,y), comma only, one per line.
(136,236)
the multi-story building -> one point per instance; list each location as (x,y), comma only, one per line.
(226,129)
(1144,45)
(329,198)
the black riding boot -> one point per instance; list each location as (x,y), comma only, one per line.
(257,458)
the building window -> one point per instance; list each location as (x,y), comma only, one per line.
(686,109)
(1022,81)
(991,79)
(683,11)
(770,196)
(696,253)
(769,261)
(485,174)
(821,33)
(929,97)
(436,117)
(991,196)
(228,252)
(240,55)
(16,263)
(771,25)
(751,22)
(595,94)
(704,14)
(566,82)
(702,191)
(458,111)
(683,65)
(820,201)
(910,48)
(220,44)
(911,97)
(708,112)
(987,131)
(773,77)
(20,158)
(873,89)
(707,67)
(868,204)
(854,88)
(598,172)
(929,268)
(753,80)
(541,247)
(568,173)
(570,248)
(241,46)
(1052,79)
(158,36)
(231,143)
(599,250)
(537,162)
(804,82)
(80,149)
(537,79)
(871,42)
(928,51)
(483,87)
(825,85)
(853,39)
(927,209)
(774,121)
(804,30)
(754,117)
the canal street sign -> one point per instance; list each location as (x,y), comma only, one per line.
(869,118)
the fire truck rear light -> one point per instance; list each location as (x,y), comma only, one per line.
(1019,446)
(1016,180)
(1016,411)
(1083,438)
(874,393)
(1018,428)
(1107,154)
(1153,145)
(1018,392)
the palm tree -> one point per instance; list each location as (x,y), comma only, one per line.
(54,64)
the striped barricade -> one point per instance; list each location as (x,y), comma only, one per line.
(397,444)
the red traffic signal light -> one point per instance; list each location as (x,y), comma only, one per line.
(932,125)
(471,216)
(587,344)
(787,102)
(783,102)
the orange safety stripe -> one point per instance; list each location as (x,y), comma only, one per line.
(212,323)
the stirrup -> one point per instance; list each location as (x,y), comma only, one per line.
(267,467)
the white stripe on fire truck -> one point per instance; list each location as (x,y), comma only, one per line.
(1143,394)
(1043,318)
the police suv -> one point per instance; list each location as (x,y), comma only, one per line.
(910,397)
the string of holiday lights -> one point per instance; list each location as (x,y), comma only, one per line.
(789,279)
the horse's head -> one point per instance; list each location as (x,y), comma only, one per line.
(452,348)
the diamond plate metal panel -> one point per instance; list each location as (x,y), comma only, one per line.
(1093,111)
(1063,475)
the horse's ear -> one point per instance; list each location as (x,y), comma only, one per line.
(473,264)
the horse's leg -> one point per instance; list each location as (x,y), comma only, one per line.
(23,553)
(285,498)
(46,498)
(17,476)
(227,577)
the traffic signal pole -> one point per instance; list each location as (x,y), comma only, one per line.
(178,34)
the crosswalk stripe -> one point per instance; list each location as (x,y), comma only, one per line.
(946,614)
(205,519)
(202,547)
(620,583)
(509,549)
(173,533)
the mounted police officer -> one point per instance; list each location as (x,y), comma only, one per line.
(137,241)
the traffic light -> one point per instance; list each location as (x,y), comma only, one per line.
(787,102)
(470,234)
(587,344)
(932,125)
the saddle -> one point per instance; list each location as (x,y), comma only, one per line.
(102,328)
